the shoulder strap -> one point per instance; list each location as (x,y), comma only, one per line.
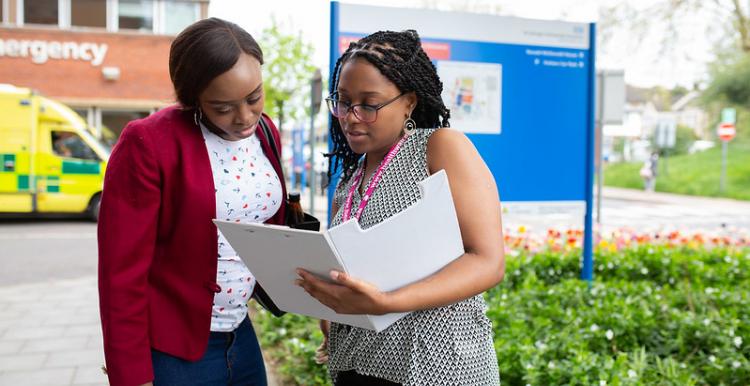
(269,137)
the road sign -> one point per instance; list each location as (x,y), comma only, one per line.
(729,115)
(726,132)
(666,132)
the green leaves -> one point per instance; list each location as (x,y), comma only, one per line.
(656,315)
(287,72)
(653,316)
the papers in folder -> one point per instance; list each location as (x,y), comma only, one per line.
(403,249)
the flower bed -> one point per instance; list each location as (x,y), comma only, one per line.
(667,309)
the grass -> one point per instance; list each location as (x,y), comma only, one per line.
(692,174)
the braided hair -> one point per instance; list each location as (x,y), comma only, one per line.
(400,58)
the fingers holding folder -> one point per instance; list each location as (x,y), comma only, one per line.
(345,294)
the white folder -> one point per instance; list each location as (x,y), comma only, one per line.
(401,250)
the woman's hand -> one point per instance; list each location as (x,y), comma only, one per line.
(321,354)
(345,295)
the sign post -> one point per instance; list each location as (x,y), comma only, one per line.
(726,133)
(610,102)
(316,97)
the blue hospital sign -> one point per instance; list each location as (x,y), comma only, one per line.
(522,90)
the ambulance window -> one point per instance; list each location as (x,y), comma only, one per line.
(70,145)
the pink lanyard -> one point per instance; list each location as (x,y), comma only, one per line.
(373,183)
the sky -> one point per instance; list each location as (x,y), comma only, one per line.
(643,60)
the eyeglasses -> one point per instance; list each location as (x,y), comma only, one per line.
(364,112)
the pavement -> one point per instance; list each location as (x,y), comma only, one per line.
(50,333)
(644,211)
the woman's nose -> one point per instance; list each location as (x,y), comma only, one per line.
(351,117)
(245,116)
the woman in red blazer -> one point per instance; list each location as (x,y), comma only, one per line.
(166,276)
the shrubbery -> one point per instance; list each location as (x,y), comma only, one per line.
(655,315)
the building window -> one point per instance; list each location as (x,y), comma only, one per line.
(180,14)
(136,14)
(113,121)
(88,13)
(40,12)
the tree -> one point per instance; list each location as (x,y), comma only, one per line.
(727,25)
(730,81)
(727,20)
(730,87)
(286,73)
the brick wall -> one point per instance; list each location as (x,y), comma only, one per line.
(142,59)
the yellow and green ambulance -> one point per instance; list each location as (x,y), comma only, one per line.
(50,161)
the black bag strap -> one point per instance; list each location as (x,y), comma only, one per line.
(269,137)
(265,301)
(260,294)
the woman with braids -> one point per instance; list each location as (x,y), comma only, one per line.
(390,134)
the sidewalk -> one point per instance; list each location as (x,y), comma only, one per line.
(609,192)
(50,334)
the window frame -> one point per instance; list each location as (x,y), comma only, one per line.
(21,15)
(5,19)
(154,22)
(112,18)
(69,18)
(160,24)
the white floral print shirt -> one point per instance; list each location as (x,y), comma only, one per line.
(248,190)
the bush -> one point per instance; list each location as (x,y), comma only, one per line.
(655,315)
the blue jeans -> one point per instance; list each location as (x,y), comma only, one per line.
(232,358)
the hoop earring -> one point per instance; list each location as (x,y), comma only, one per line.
(409,126)
(198,116)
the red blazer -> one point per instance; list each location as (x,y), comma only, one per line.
(157,244)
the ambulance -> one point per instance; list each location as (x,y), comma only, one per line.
(51,163)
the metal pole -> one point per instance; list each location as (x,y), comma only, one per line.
(316,92)
(723,183)
(587,270)
(600,135)
(311,178)
(311,175)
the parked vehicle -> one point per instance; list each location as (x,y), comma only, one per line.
(51,163)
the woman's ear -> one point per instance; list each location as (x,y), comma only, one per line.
(411,101)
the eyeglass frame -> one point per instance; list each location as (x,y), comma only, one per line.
(330,99)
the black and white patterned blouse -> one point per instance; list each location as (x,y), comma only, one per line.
(449,345)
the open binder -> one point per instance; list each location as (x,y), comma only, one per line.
(403,249)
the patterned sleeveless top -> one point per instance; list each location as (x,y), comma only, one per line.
(449,345)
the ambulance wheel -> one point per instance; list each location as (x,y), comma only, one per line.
(93,210)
